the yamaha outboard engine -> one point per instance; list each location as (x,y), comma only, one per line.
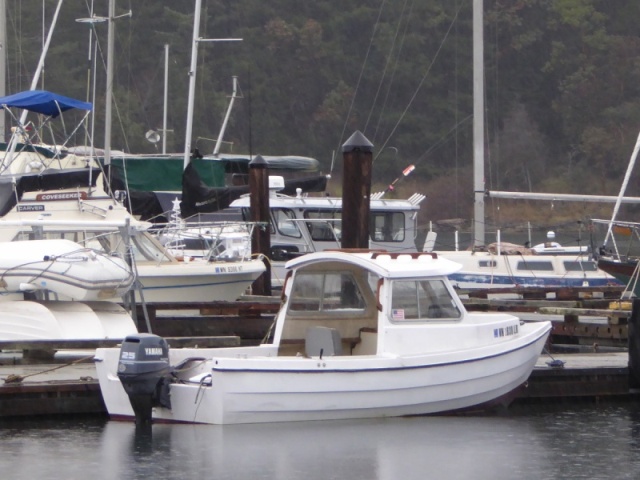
(143,366)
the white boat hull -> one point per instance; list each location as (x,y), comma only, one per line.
(340,350)
(26,321)
(268,388)
(486,270)
(196,281)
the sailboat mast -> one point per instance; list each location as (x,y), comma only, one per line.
(192,77)
(623,189)
(109,92)
(166,96)
(478,124)
(192,83)
(3,64)
(34,83)
(234,95)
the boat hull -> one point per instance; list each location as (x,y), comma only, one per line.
(624,271)
(197,281)
(486,270)
(267,388)
(32,321)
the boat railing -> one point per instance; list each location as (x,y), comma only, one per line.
(218,240)
(619,229)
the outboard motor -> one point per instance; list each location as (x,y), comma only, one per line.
(143,366)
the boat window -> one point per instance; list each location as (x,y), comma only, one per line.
(325,225)
(535,265)
(87,239)
(144,248)
(192,243)
(578,266)
(422,300)
(326,292)
(284,221)
(246,216)
(21,236)
(487,263)
(387,226)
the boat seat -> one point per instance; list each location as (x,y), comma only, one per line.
(435,311)
(368,342)
(322,341)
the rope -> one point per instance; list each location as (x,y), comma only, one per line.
(554,363)
(13,378)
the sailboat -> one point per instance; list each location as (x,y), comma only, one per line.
(155,180)
(505,265)
(624,267)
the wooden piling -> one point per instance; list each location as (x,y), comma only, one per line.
(634,345)
(259,211)
(356,191)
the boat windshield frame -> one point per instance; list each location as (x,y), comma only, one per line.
(144,247)
(422,299)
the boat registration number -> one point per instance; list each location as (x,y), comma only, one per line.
(506,331)
(230,269)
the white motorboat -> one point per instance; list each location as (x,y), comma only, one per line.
(304,224)
(88,216)
(548,264)
(62,268)
(359,335)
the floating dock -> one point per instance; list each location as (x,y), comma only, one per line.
(602,366)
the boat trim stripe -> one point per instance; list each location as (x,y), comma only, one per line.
(355,370)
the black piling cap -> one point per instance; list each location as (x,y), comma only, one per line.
(258,162)
(357,141)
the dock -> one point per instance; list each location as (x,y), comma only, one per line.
(588,357)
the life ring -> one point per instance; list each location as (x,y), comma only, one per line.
(35,166)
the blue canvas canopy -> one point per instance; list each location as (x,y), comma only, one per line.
(41,101)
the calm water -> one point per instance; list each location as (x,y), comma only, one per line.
(585,442)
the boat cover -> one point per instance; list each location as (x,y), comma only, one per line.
(235,163)
(44,102)
(199,198)
(196,196)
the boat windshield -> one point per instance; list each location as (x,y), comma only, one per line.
(143,246)
(326,292)
(324,225)
(283,219)
(422,300)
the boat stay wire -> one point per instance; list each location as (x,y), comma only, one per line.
(387,64)
(422,80)
(364,63)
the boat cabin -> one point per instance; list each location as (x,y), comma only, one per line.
(304,224)
(85,216)
(337,303)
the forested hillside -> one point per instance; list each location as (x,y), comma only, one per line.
(562,84)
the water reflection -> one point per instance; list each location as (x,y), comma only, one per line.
(577,442)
